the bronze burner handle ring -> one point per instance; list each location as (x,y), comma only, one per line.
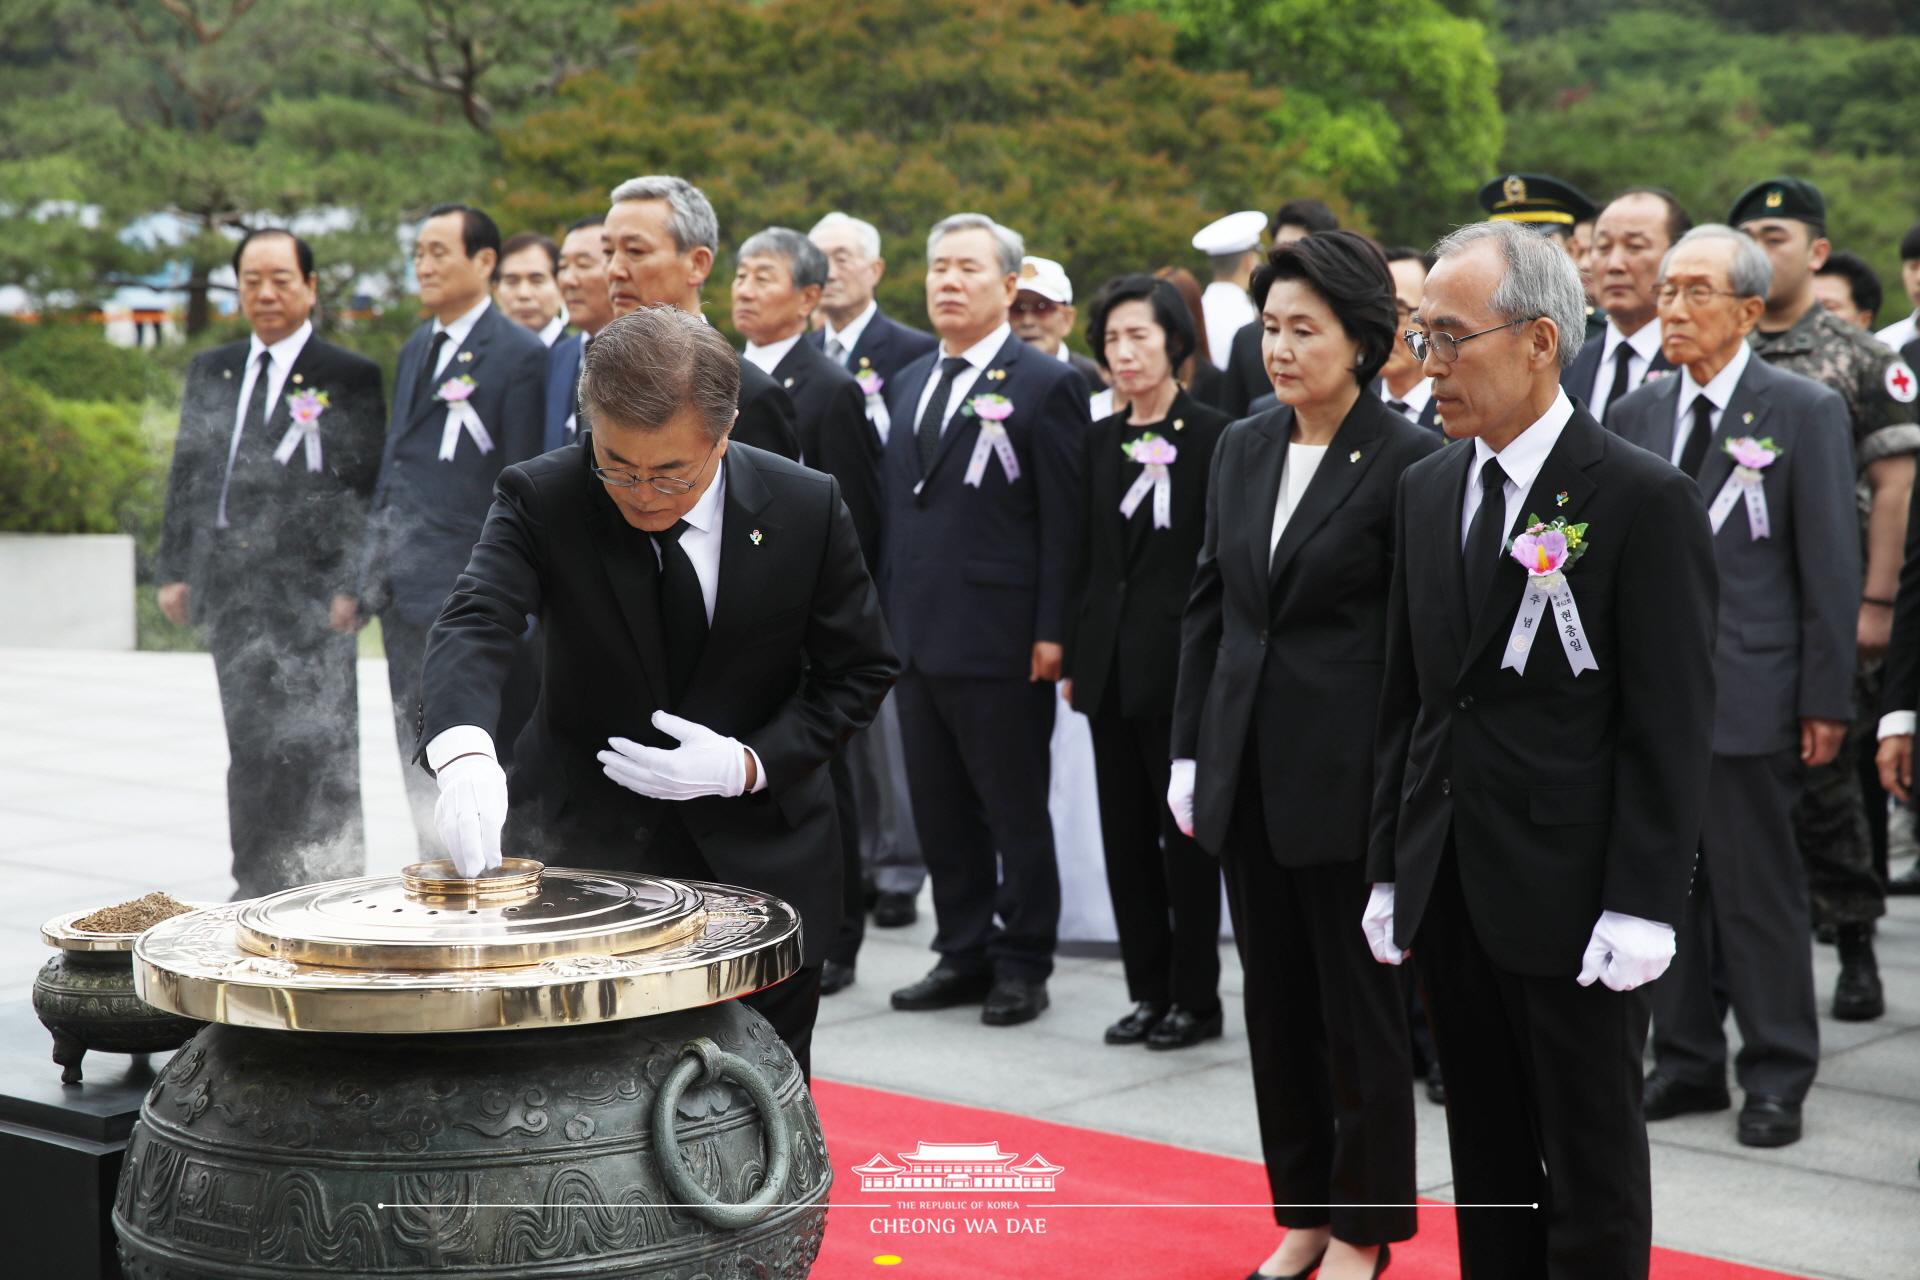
(702,1057)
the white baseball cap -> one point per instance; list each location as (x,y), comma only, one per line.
(1047,278)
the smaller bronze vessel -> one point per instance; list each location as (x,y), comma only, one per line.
(84,995)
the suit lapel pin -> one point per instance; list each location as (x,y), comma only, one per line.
(297,380)
(1179,424)
(754,537)
(1747,417)
(465,357)
(789,382)
(226,373)
(1354,456)
(1560,498)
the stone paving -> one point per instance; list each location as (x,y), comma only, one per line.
(112,783)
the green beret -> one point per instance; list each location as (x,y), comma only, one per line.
(1537,199)
(1780,198)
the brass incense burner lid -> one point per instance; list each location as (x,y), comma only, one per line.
(431,918)
(429,951)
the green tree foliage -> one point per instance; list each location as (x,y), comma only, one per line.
(1075,127)
(1706,109)
(1389,102)
(67,466)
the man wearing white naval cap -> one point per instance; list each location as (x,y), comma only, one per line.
(1232,246)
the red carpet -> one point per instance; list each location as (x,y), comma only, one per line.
(1043,1235)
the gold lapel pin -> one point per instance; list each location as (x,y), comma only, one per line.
(465,356)
(297,379)
(754,537)
(1179,424)
(1354,456)
(1747,417)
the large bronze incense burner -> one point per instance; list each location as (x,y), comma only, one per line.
(542,1073)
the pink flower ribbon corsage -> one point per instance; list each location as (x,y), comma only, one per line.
(457,395)
(1155,453)
(991,410)
(870,384)
(1546,551)
(1751,458)
(305,409)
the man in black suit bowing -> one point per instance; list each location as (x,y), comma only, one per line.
(467,402)
(983,524)
(660,238)
(775,290)
(711,639)
(278,449)
(1542,759)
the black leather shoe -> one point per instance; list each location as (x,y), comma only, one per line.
(1305,1273)
(1183,1028)
(1769,1122)
(1436,1086)
(1013,1001)
(1133,1028)
(835,977)
(1857,996)
(943,989)
(1664,1097)
(1906,884)
(894,910)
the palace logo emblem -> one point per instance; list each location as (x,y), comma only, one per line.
(958,1167)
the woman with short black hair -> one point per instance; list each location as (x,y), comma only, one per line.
(1281,660)
(1146,478)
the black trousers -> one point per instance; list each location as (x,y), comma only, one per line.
(1165,887)
(845,948)
(790,1006)
(1327,1029)
(1745,931)
(978,766)
(1543,1107)
(291,702)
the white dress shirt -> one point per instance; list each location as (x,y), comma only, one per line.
(849,337)
(457,333)
(1522,459)
(978,357)
(765,358)
(1645,344)
(1718,391)
(280,358)
(1901,332)
(1228,310)
(701,541)
(1295,475)
(1416,398)
(555,327)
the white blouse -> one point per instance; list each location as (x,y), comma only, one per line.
(1302,461)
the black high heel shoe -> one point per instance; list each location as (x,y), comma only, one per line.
(1381,1261)
(1303,1274)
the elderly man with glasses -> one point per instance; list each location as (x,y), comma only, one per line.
(1542,754)
(712,639)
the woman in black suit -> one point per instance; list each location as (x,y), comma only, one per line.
(1146,481)
(1280,669)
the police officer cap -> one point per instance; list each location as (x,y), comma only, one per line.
(1235,233)
(1537,199)
(1780,198)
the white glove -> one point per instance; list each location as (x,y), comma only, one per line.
(704,764)
(1626,952)
(1180,796)
(1377,923)
(470,812)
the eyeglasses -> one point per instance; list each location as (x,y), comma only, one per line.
(1446,347)
(672,485)
(1697,295)
(1035,306)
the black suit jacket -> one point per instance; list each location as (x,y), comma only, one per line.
(427,512)
(831,416)
(1136,578)
(1577,378)
(1286,651)
(886,346)
(797,661)
(1246,372)
(295,532)
(766,418)
(976,576)
(1563,796)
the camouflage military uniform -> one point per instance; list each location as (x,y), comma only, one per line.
(1831,819)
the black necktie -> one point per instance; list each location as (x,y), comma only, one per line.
(1622,360)
(1482,551)
(423,385)
(683,609)
(1398,406)
(1694,451)
(927,434)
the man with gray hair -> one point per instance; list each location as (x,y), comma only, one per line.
(983,517)
(857,333)
(1771,454)
(660,239)
(712,639)
(1542,751)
